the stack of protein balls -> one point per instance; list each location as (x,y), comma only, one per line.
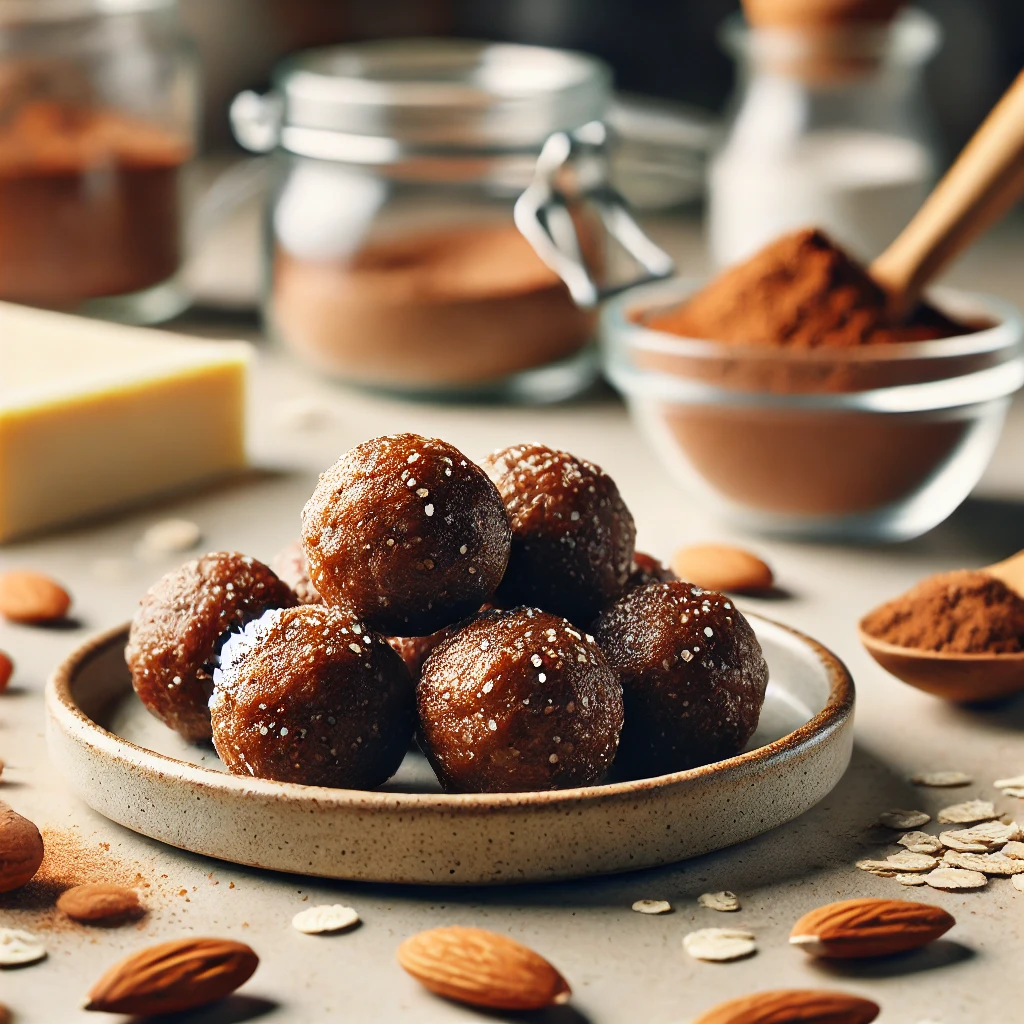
(498,612)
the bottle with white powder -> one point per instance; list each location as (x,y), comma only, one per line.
(829,128)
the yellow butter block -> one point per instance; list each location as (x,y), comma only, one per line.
(97,416)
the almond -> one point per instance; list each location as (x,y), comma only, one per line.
(6,671)
(21,850)
(173,976)
(482,968)
(31,597)
(851,929)
(793,1006)
(718,567)
(100,903)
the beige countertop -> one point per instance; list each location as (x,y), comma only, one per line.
(624,966)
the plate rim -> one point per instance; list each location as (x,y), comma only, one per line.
(64,713)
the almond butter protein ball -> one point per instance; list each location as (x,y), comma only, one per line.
(572,534)
(309,695)
(517,701)
(406,534)
(180,626)
(693,677)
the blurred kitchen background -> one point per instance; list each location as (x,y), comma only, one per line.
(660,48)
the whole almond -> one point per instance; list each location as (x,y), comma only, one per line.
(793,1006)
(719,567)
(482,968)
(21,850)
(172,977)
(6,671)
(5,1015)
(100,903)
(31,597)
(852,929)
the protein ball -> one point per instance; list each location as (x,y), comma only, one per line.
(291,564)
(308,695)
(182,622)
(647,569)
(693,677)
(406,534)
(517,701)
(572,535)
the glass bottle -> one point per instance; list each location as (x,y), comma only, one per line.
(412,182)
(98,106)
(829,127)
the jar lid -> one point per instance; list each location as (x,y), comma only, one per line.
(441,93)
(14,12)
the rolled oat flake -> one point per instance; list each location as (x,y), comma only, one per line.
(719,944)
(652,906)
(18,947)
(941,780)
(956,879)
(967,813)
(324,918)
(724,901)
(903,819)
(920,842)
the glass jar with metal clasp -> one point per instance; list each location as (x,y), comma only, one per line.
(428,197)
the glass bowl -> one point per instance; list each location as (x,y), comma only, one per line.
(877,443)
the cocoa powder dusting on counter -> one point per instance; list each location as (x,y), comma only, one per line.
(70,859)
(801,291)
(963,612)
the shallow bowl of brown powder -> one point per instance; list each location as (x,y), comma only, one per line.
(859,440)
(958,635)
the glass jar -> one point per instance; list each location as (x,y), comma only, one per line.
(394,260)
(97,117)
(829,127)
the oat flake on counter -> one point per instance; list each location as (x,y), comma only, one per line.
(920,842)
(986,863)
(324,918)
(1018,882)
(903,819)
(911,879)
(941,780)
(1013,849)
(724,901)
(967,813)
(170,537)
(1014,791)
(1015,783)
(652,906)
(719,944)
(983,838)
(18,947)
(955,879)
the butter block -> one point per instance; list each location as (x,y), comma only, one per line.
(96,416)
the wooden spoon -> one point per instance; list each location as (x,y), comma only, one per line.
(958,677)
(986,180)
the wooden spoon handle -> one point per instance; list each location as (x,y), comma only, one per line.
(986,180)
(1010,571)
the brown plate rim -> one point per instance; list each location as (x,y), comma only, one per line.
(63,711)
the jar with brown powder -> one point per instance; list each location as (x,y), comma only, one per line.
(97,104)
(394,257)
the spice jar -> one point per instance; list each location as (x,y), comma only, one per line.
(829,128)
(97,104)
(394,258)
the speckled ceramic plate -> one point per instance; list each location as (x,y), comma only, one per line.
(129,767)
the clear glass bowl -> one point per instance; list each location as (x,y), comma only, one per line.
(878,443)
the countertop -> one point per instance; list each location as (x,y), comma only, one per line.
(623,966)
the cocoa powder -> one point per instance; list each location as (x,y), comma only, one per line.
(964,612)
(88,203)
(801,291)
(457,307)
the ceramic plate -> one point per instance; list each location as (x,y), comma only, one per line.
(128,766)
